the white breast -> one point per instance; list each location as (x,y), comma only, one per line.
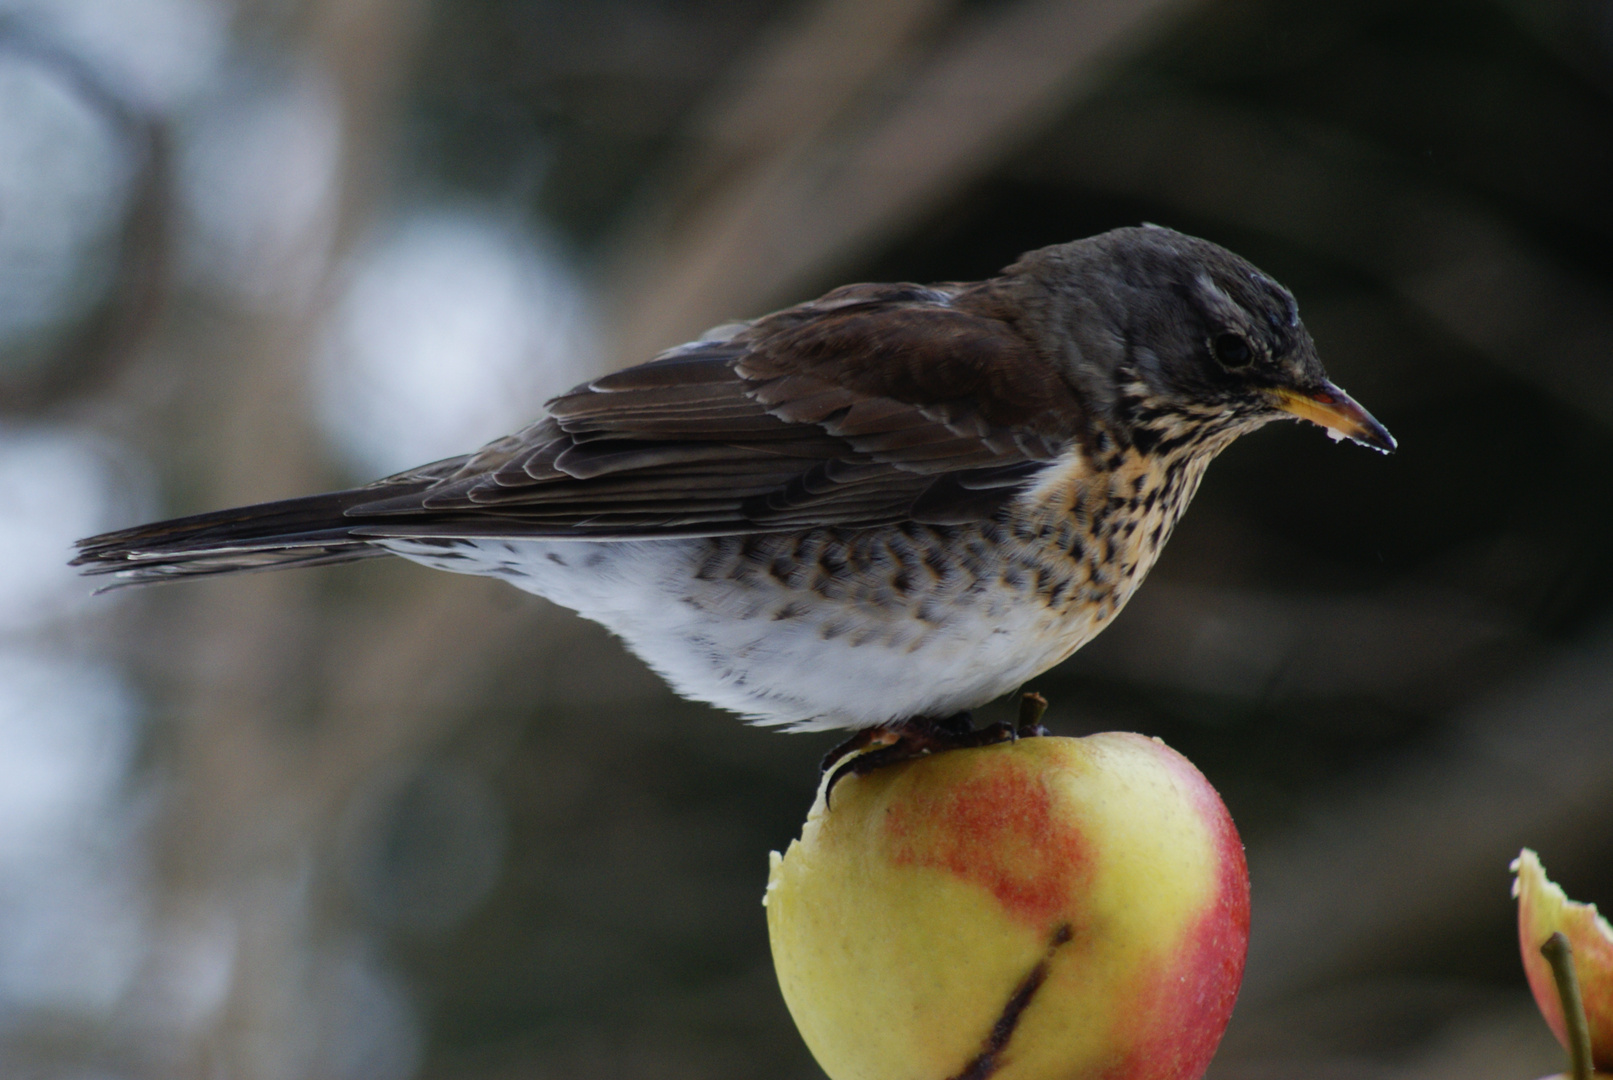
(774,654)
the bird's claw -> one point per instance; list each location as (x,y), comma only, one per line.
(876,748)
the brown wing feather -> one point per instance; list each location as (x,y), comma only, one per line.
(872,405)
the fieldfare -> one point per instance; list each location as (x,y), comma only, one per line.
(874,510)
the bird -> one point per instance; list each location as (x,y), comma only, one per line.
(874,511)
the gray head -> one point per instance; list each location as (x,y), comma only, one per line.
(1167,332)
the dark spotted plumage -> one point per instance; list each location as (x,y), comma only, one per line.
(891,501)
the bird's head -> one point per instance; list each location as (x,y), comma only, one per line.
(1183,342)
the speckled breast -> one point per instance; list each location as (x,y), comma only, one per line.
(1094,533)
(1069,553)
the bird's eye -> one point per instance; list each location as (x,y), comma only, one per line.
(1231,349)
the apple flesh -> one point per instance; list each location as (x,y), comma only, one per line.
(1544,909)
(1047,909)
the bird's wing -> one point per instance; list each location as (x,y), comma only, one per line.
(873,405)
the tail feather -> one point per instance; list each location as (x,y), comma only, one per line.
(311,531)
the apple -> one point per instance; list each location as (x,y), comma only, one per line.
(1544,909)
(1046,909)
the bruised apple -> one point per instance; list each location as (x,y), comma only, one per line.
(1544,909)
(1040,909)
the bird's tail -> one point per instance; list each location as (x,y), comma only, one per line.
(312,531)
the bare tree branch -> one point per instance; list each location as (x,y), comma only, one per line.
(1473,275)
(139,284)
(820,201)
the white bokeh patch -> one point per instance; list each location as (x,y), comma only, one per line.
(457,324)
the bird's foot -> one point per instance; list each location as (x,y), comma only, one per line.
(879,747)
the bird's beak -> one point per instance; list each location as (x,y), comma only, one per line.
(1335,410)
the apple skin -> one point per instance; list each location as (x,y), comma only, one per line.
(1544,909)
(907,917)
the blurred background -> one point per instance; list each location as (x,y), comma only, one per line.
(379,823)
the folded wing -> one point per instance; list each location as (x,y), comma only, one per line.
(874,405)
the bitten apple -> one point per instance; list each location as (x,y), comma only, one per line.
(1047,908)
(1544,909)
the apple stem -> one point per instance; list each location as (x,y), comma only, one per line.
(1560,955)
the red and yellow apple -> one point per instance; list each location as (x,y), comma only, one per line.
(1544,909)
(1047,908)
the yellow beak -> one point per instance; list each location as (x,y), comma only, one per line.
(1335,410)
